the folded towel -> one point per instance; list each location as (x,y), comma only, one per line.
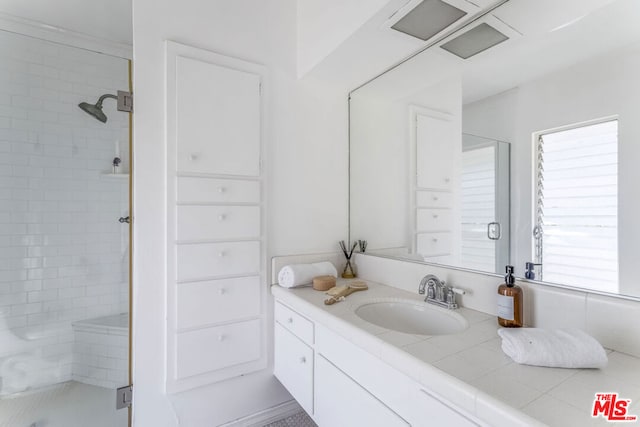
(560,348)
(291,276)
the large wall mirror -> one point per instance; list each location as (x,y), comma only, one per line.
(513,140)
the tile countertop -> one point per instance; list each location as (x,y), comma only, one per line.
(470,369)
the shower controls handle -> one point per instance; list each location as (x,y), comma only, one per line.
(124,219)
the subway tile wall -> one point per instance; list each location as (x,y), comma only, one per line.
(63,253)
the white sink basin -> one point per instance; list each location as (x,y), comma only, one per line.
(412,317)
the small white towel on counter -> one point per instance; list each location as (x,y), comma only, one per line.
(294,275)
(557,348)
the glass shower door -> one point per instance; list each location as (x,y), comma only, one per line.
(64,280)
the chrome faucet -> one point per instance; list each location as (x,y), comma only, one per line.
(438,292)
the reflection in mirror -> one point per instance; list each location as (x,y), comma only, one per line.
(523,153)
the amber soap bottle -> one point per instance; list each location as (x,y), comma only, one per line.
(510,301)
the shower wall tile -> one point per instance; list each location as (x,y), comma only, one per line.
(63,254)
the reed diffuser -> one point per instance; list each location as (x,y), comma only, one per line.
(348,272)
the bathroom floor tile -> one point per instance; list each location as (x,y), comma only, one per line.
(504,388)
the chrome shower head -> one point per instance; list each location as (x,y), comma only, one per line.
(95,110)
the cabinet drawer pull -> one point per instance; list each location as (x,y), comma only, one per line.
(435,198)
(290,320)
(435,216)
(222,189)
(435,240)
(303,359)
(222,291)
(222,337)
(447,180)
(222,254)
(222,217)
(193,156)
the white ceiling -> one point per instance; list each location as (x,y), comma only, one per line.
(105,19)
(555,35)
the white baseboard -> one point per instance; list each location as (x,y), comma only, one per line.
(262,418)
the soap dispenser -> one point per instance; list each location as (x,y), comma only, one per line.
(510,301)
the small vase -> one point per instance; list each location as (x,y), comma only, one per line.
(348,272)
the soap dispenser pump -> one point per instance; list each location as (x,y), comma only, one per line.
(510,301)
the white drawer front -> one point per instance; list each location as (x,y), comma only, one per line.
(214,301)
(434,244)
(208,260)
(434,199)
(299,325)
(434,220)
(218,222)
(293,366)
(212,190)
(210,349)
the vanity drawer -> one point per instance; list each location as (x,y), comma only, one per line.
(433,244)
(434,219)
(218,222)
(192,190)
(215,301)
(208,260)
(299,325)
(293,366)
(210,349)
(434,199)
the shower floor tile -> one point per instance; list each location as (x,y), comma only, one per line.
(69,404)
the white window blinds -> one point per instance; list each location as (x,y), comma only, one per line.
(577,206)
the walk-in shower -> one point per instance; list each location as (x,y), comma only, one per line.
(64,280)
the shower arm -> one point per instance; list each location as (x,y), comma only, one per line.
(103,97)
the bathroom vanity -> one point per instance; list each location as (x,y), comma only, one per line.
(345,371)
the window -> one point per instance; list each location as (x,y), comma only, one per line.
(576,201)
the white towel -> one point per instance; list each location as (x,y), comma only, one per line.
(291,276)
(560,348)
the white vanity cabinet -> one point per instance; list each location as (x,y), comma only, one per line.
(348,386)
(342,402)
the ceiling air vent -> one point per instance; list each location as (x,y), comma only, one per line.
(474,41)
(428,19)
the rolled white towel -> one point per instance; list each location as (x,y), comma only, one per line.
(559,348)
(291,276)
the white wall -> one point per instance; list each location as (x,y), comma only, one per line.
(63,254)
(307,158)
(602,87)
(324,24)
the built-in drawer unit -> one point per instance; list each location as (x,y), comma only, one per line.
(299,325)
(433,199)
(218,222)
(208,260)
(210,349)
(433,244)
(434,219)
(215,301)
(194,190)
(293,366)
